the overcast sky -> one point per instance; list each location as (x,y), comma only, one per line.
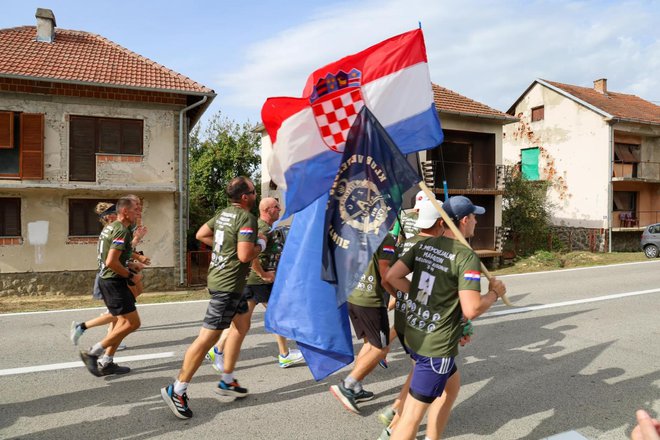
(489,51)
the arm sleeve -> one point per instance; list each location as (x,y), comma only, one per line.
(247,228)
(469,271)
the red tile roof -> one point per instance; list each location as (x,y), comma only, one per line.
(88,58)
(451,102)
(620,105)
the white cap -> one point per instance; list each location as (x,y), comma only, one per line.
(427,215)
(419,198)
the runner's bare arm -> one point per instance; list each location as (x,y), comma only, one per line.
(396,276)
(205,235)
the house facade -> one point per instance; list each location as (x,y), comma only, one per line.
(469,160)
(83,120)
(600,153)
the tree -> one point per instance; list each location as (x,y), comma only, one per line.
(526,213)
(226,150)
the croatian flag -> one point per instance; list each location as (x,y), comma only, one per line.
(472,275)
(308,134)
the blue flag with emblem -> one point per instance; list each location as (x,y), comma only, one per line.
(364,199)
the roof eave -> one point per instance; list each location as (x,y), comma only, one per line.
(501,119)
(575,98)
(209,93)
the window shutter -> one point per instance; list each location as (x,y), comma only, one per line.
(109,136)
(530,163)
(32,146)
(82,149)
(6,130)
(131,137)
(10,217)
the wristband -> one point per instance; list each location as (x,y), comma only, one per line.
(262,244)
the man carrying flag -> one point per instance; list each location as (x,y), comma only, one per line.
(308,135)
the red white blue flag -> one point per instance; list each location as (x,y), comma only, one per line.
(308,134)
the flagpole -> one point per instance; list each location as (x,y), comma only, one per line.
(457,232)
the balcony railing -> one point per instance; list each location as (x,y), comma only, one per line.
(634,219)
(642,170)
(463,175)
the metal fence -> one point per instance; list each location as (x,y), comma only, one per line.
(198,267)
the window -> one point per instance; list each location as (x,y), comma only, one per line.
(10,217)
(91,135)
(83,221)
(624,201)
(538,113)
(21,145)
(530,163)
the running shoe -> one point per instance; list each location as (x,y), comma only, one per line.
(384,364)
(385,435)
(346,396)
(363,395)
(91,362)
(76,332)
(232,389)
(121,347)
(177,403)
(292,358)
(112,368)
(386,416)
(217,360)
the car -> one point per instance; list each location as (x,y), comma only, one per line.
(651,241)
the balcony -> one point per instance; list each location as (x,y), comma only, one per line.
(633,220)
(646,171)
(465,177)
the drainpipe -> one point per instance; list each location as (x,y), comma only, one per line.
(610,194)
(182,229)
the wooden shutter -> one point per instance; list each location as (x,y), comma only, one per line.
(32,146)
(109,136)
(7,130)
(10,217)
(82,149)
(131,137)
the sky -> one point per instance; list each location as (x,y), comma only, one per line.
(489,51)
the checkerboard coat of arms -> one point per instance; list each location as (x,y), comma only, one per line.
(336,101)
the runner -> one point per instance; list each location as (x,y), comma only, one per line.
(232,235)
(258,288)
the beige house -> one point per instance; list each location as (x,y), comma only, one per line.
(82,120)
(470,160)
(600,152)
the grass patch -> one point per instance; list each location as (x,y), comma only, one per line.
(544,260)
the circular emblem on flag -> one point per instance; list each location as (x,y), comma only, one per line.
(361,205)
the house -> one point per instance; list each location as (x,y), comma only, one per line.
(82,120)
(470,160)
(600,153)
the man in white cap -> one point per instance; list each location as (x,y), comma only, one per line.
(409,217)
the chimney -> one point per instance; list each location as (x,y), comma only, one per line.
(600,85)
(45,25)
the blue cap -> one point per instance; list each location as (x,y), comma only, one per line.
(458,207)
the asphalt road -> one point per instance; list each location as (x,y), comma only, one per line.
(582,352)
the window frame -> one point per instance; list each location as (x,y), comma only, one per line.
(90,216)
(634,196)
(10,200)
(538,113)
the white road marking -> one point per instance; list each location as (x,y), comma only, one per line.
(65,365)
(139,306)
(575,269)
(511,311)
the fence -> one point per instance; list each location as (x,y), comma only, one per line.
(198,267)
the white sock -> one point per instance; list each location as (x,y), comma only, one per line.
(351,383)
(105,360)
(227,377)
(180,388)
(97,349)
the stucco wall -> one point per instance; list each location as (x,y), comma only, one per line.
(576,141)
(154,178)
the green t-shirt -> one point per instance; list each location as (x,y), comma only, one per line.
(114,236)
(270,256)
(369,292)
(230,226)
(402,297)
(408,220)
(441,268)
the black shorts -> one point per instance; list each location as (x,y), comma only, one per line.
(371,323)
(222,309)
(259,293)
(117,297)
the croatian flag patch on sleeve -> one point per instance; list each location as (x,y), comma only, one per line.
(118,241)
(388,249)
(472,275)
(246,231)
